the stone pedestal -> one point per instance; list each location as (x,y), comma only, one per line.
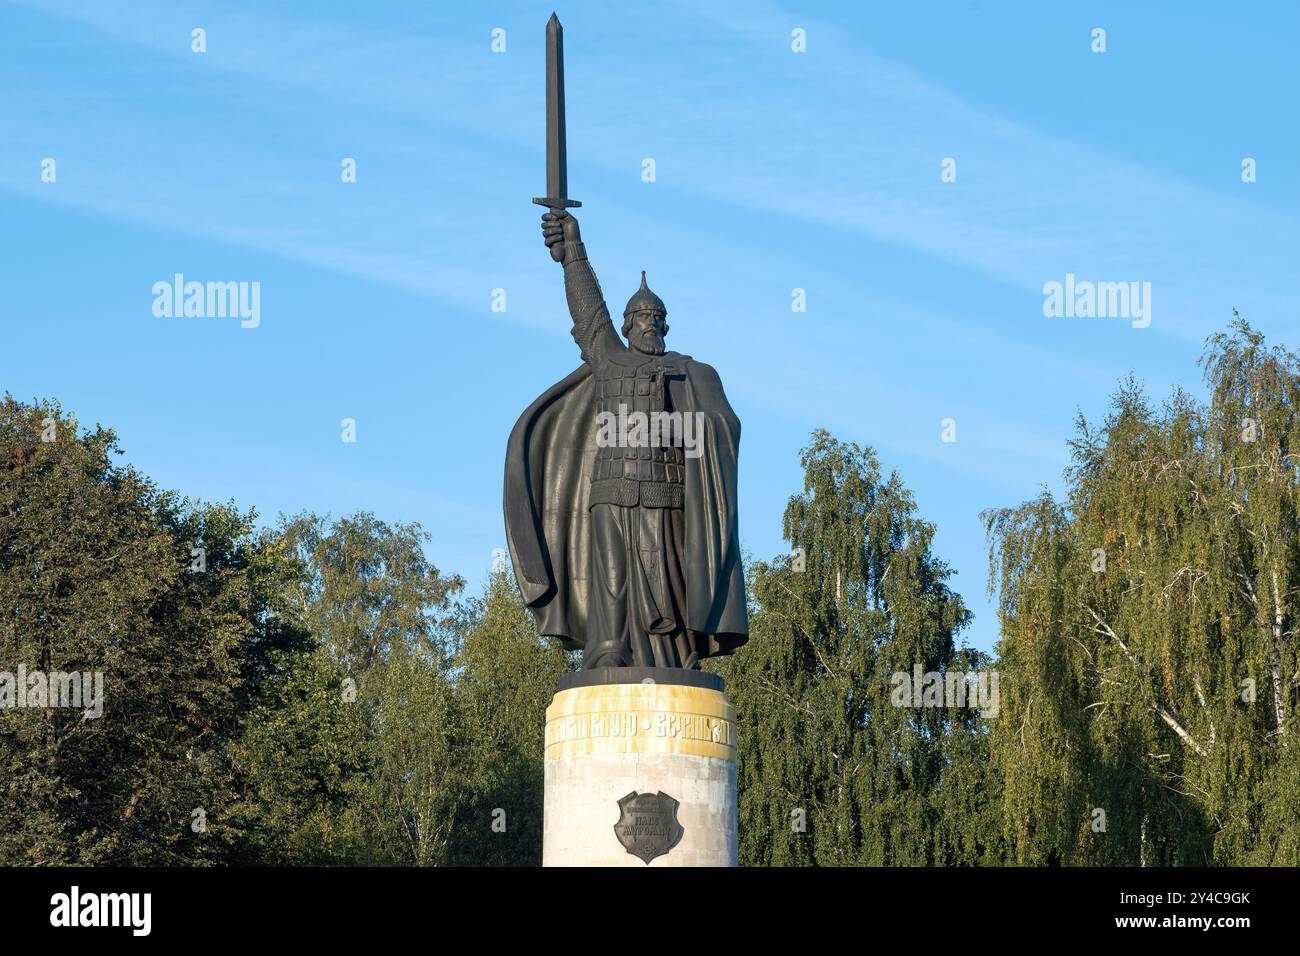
(640,767)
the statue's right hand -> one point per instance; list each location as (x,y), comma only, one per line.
(557,230)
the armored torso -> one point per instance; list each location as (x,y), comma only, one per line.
(651,475)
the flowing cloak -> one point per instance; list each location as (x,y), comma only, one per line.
(547,490)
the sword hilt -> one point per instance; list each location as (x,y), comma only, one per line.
(557,205)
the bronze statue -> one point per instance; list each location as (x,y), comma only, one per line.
(620,490)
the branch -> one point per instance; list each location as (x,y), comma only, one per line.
(1178,729)
(1200,695)
(1104,628)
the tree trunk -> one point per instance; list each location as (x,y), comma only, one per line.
(1279,707)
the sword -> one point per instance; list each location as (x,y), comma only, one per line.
(557,174)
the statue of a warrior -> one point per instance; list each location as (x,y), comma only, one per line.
(620,491)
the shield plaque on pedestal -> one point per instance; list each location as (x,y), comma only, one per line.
(648,825)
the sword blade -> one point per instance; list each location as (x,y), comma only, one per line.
(557,173)
(557,169)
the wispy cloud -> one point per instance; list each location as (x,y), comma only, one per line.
(839,138)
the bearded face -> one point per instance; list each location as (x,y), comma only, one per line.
(646,332)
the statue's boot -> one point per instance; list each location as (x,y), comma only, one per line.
(605,654)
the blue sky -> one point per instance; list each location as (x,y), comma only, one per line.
(775,170)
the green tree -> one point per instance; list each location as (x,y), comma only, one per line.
(418,754)
(102,572)
(304,761)
(831,770)
(1147,622)
(356,751)
(505,678)
(368,587)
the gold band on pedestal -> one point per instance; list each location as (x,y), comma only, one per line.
(640,718)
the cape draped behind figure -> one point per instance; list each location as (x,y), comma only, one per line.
(549,462)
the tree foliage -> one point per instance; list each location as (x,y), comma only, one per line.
(95,577)
(831,770)
(1148,630)
(318,692)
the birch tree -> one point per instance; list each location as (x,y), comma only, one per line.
(1147,628)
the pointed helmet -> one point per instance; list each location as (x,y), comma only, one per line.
(643,300)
